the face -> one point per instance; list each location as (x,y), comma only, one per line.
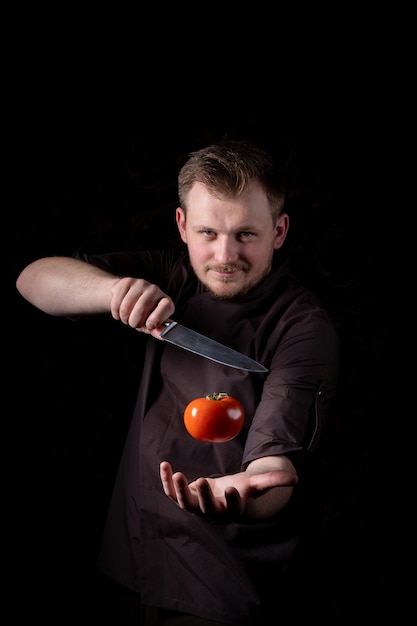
(230,241)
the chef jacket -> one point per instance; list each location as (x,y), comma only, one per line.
(176,559)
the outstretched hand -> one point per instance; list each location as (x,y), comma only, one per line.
(230,497)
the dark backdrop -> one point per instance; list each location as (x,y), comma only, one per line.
(94,156)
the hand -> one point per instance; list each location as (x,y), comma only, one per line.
(231,497)
(140,304)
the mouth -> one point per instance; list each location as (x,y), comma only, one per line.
(226,272)
(225,275)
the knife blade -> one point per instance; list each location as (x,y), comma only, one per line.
(209,348)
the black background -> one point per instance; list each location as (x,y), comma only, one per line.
(97,133)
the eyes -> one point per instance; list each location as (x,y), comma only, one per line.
(245,235)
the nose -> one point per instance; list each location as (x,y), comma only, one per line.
(227,250)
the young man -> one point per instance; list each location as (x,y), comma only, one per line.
(200,530)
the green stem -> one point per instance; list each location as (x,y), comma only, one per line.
(216,396)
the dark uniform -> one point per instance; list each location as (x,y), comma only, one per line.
(177,560)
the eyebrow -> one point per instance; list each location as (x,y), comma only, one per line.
(239,229)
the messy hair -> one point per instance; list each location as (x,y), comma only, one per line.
(227,168)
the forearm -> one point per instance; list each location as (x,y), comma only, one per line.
(65,286)
(276,498)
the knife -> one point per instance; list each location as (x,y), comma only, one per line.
(204,346)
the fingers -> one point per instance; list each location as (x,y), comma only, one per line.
(176,487)
(198,497)
(234,502)
(140,304)
(227,509)
(165,472)
(184,497)
(206,500)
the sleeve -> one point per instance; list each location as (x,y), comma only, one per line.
(299,390)
(154,266)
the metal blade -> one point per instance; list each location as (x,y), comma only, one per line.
(204,346)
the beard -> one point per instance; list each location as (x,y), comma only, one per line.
(227,289)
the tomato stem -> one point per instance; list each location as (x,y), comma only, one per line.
(216,396)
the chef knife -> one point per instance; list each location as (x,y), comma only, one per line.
(204,346)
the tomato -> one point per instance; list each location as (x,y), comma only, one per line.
(217,417)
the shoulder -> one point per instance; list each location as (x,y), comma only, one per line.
(138,263)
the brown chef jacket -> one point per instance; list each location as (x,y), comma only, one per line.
(178,560)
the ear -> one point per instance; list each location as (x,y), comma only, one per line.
(281,230)
(180,219)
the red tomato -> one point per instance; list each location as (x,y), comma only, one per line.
(217,417)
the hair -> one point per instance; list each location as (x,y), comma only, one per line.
(228,167)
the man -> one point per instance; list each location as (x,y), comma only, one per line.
(198,530)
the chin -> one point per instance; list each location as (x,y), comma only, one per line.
(225,291)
